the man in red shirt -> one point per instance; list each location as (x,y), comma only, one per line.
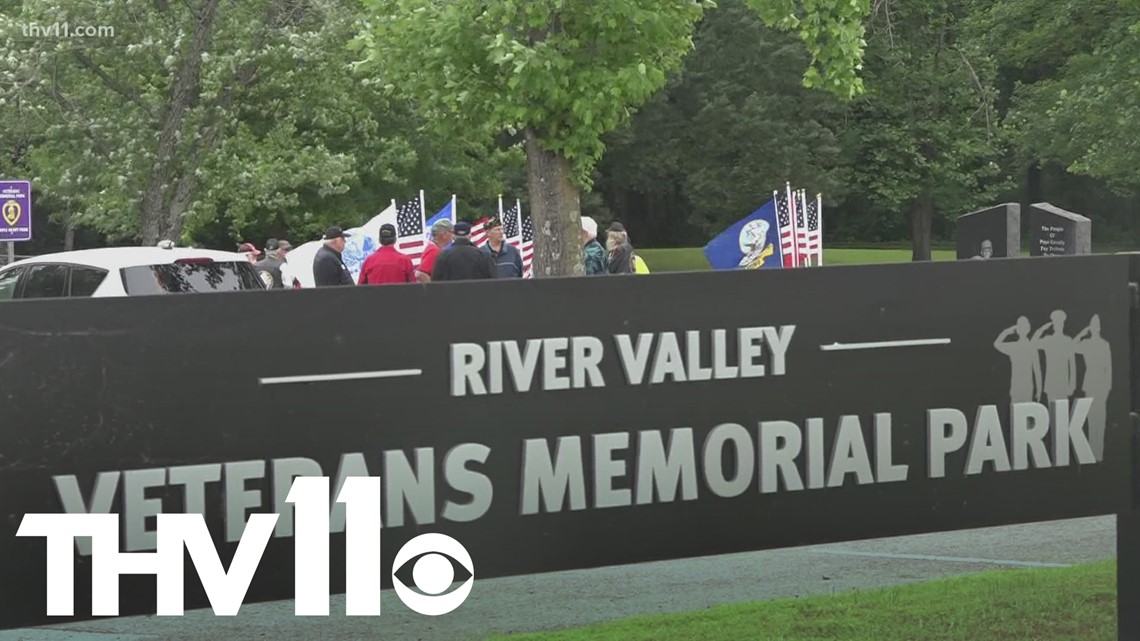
(442,233)
(387,265)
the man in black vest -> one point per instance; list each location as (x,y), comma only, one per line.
(463,260)
(269,268)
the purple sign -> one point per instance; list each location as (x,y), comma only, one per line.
(15,210)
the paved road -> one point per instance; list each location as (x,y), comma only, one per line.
(574,598)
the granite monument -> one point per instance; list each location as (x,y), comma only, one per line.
(1056,232)
(990,233)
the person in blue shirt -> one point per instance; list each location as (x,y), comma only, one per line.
(506,256)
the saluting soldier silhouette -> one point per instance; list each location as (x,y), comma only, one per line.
(1097,381)
(1060,359)
(1024,362)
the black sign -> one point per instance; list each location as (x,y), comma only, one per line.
(990,233)
(574,423)
(1055,232)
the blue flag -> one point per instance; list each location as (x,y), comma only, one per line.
(753,242)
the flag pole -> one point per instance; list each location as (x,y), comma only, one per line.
(795,229)
(454,211)
(779,232)
(518,225)
(500,206)
(803,208)
(819,217)
(815,254)
(519,217)
(423,211)
(796,209)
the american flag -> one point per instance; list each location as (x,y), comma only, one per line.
(814,242)
(802,228)
(511,226)
(526,247)
(787,237)
(410,230)
(478,233)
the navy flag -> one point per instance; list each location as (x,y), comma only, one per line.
(753,242)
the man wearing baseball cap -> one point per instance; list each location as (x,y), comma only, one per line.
(463,260)
(329,269)
(507,257)
(387,265)
(269,268)
(442,233)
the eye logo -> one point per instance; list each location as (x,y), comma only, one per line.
(432,563)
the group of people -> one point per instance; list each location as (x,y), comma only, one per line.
(616,257)
(450,255)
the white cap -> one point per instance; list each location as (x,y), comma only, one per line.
(590,226)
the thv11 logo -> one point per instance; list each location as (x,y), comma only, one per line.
(432,574)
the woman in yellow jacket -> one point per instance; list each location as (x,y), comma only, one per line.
(639,266)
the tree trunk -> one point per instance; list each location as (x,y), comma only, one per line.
(556,212)
(921,218)
(1034,184)
(1034,193)
(158,222)
(177,195)
(69,234)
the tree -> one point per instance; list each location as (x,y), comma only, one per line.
(1090,92)
(732,125)
(564,73)
(188,108)
(924,138)
(1042,49)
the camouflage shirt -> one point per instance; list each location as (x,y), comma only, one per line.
(594,257)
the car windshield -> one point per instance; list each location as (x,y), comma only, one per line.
(181,278)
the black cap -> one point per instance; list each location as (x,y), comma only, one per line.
(335,232)
(616,226)
(462,228)
(387,233)
(271,245)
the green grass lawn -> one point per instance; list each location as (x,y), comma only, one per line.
(693,258)
(1063,604)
